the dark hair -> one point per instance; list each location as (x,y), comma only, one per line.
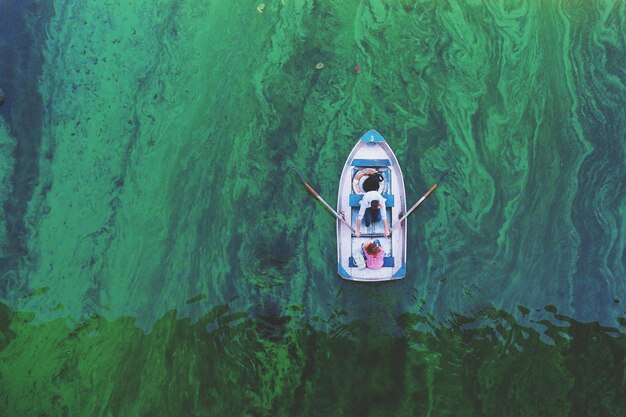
(375,204)
(372,249)
(372,182)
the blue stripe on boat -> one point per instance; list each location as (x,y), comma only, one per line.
(355,200)
(371,162)
(401,272)
(343,272)
(387,261)
(372,136)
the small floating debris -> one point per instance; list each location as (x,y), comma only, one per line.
(357,69)
(260,8)
(319,66)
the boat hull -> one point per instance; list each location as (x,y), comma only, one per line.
(371,153)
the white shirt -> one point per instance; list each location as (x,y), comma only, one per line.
(366,202)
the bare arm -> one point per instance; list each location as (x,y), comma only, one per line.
(383,208)
(359,218)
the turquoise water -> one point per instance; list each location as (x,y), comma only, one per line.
(157,257)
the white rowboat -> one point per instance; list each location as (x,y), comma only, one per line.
(371,153)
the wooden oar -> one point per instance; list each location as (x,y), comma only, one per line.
(316,195)
(424,197)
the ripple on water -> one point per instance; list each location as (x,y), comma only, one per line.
(266,260)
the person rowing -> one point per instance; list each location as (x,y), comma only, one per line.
(372,210)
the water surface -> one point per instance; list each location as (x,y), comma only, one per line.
(158,258)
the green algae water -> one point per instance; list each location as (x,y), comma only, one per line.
(157,258)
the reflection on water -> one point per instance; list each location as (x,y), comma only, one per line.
(264,362)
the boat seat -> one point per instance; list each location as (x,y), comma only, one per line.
(355,200)
(387,262)
(371,162)
(370,235)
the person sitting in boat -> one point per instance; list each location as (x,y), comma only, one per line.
(374,254)
(372,210)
